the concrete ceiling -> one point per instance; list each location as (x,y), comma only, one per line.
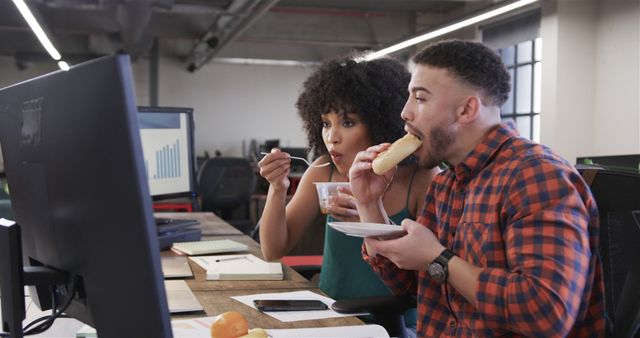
(194,31)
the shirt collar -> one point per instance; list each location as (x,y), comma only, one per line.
(484,152)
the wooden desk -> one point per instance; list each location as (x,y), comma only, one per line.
(217,302)
(210,224)
(215,296)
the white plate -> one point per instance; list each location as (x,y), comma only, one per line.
(358,229)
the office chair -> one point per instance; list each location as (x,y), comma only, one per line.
(225,184)
(617,194)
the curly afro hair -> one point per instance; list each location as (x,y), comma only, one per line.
(472,62)
(376,90)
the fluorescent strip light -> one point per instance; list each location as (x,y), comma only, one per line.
(63,65)
(37,30)
(448,29)
(266,62)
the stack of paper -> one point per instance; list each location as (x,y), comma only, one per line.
(239,267)
(180,297)
(209,247)
(175,267)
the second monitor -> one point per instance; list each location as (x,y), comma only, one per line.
(167,146)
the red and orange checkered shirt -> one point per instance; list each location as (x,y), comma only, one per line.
(527,217)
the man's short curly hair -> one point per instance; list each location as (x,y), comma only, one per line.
(375,90)
(472,62)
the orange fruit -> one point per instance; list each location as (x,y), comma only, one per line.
(229,325)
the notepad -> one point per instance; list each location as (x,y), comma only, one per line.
(239,267)
(175,267)
(180,297)
(209,247)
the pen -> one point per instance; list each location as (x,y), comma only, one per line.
(230,259)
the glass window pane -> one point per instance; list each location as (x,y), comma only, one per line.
(525,49)
(508,55)
(536,128)
(538,49)
(523,123)
(505,119)
(507,107)
(537,86)
(523,89)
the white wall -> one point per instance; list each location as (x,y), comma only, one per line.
(235,103)
(232,103)
(617,120)
(590,77)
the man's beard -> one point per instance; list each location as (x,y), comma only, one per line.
(440,139)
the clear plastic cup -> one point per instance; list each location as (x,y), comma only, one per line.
(326,190)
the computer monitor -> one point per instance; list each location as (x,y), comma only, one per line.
(270,144)
(630,162)
(167,146)
(73,159)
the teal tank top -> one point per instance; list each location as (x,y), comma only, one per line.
(346,275)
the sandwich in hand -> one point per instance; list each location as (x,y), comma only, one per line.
(397,152)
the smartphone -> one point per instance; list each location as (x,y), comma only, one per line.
(289,305)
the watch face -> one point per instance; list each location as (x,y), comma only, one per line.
(436,271)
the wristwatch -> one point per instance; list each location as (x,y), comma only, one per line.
(439,268)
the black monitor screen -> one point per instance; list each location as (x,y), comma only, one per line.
(167,146)
(631,162)
(74,164)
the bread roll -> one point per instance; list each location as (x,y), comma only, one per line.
(397,152)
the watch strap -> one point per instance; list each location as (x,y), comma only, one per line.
(444,258)
(443,261)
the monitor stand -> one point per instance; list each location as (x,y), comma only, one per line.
(14,277)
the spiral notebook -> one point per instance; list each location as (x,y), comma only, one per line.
(209,247)
(239,267)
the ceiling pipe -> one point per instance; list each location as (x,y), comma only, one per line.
(230,28)
(326,12)
(134,17)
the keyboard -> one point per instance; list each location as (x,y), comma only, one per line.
(169,224)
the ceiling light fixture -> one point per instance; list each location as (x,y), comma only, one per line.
(266,62)
(450,28)
(63,65)
(39,32)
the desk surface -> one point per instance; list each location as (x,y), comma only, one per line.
(215,295)
(291,279)
(217,302)
(210,224)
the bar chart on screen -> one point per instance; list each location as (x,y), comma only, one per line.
(167,160)
(166,154)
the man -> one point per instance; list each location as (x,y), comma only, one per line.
(507,244)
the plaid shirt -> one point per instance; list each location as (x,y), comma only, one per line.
(526,216)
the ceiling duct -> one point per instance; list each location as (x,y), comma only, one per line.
(134,17)
(240,15)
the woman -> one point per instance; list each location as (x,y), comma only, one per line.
(346,106)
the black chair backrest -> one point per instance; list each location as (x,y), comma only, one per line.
(225,182)
(617,195)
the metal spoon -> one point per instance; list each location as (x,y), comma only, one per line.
(305,161)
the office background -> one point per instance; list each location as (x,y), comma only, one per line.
(590,96)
